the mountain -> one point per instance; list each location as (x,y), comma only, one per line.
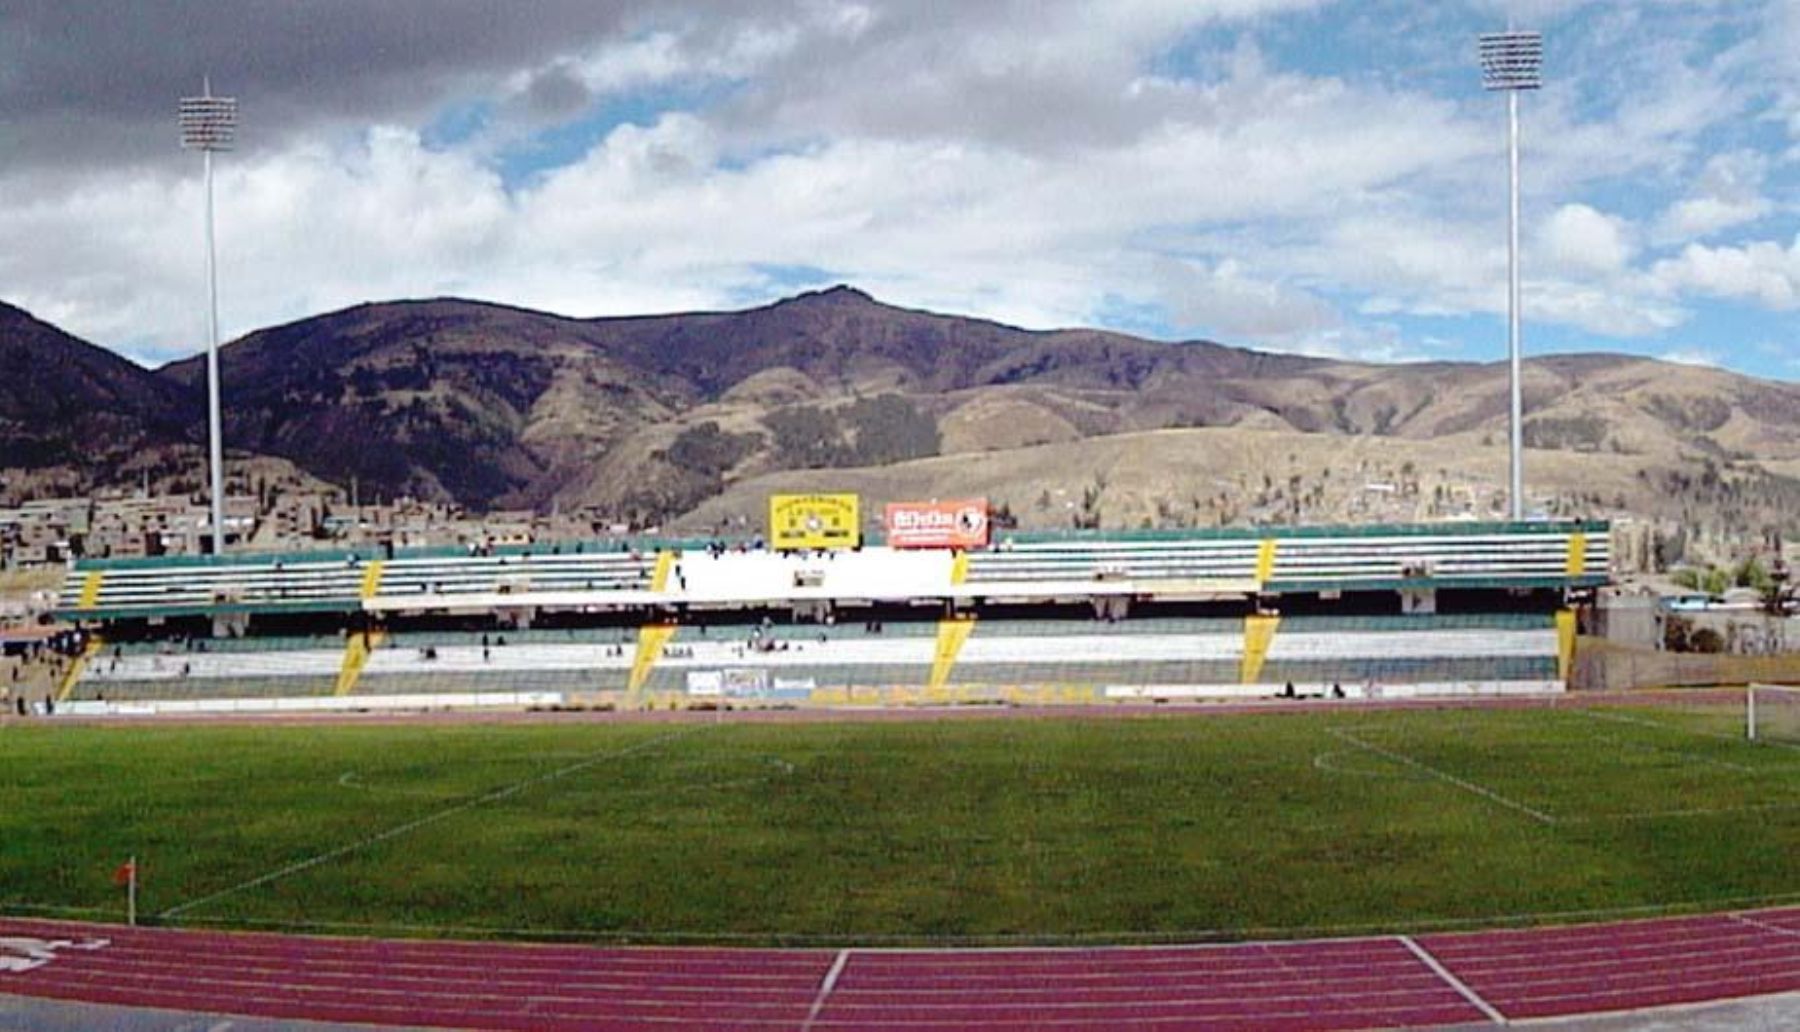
(651,417)
(70,406)
(490,405)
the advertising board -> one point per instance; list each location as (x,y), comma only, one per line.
(949,524)
(814,521)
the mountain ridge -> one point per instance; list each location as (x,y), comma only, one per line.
(493,405)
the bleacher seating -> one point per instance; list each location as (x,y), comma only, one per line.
(1309,559)
(293,623)
(797,662)
(1086,561)
(163,589)
(402,578)
(1262,561)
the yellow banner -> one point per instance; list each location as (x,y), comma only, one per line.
(814,521)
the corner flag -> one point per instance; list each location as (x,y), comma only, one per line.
(127,876)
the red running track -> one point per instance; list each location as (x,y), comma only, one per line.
(1378,982)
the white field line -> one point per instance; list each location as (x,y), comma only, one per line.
(1708,761)
(1638,815)
(1620,718)
(498,794)
(1738,737)
(1762,925)
(1326,761)
(1468,786)
(1122,941)
(825,988)
(1697,811)
(1425,957)
(7,907)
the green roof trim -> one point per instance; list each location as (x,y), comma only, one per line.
(1279,533)
(648,545)
(154,612)
(1295,587)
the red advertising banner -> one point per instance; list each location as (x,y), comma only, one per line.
(952,524)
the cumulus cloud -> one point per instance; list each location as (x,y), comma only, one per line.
(1028,160)
(1763,272)
(1226,300)
(1706,357)
(1581,240)
(1729,193)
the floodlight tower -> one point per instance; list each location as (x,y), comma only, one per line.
(208,124)
(1512,61)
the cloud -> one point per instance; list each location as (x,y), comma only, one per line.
(1693,356)
(94,82)
(1728,194)
(1377,342)
(1225,300)
(1763,272)
(1045,162)
(1581,240)
(556,92)
(1613,308)
(669,214)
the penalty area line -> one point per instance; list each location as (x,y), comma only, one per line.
(497,795)
(1468,786)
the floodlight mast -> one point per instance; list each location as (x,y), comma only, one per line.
(1512,61)
(209,124)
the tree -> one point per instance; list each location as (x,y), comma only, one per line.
(1706,640)
(1750,573)
(1677,630)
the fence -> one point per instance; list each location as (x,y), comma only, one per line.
(1604,666)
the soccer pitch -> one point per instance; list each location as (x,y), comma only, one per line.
(1052,830)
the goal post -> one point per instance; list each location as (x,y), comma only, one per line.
(1772,712)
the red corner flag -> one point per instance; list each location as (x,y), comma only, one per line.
(127,876)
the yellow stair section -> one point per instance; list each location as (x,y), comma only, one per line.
(959,569)
(72,676)
(371,582)
(1565,643)
(356,656)
(90,590)
(1259,634)
(951,634)
(652,639)
(1577,564)
(1265,562)
(665,564)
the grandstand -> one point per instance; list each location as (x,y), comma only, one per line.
(1361,611)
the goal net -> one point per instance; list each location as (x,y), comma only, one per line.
(1772,713)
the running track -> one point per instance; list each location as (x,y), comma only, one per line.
(1377,982)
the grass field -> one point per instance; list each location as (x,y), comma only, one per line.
(1050,830)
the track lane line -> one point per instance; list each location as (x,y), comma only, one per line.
(825,987)
(1425,957)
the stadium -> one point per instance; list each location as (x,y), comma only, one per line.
(562,596)
(800,619)
(1317,777)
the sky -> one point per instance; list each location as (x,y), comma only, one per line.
(1293,175)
